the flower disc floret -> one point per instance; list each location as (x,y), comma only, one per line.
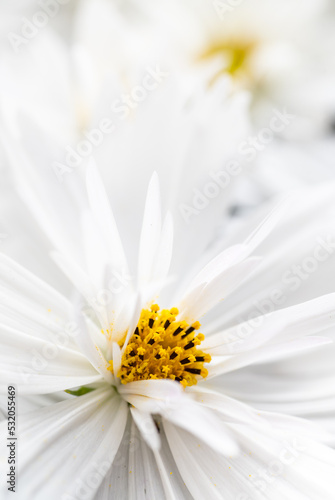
(163,348)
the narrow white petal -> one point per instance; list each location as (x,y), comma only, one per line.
(220,263)
(117,358)
(143,476)
(168,490)
(203,424)
(267,225)
(134,473)
(147,427)
(151,231)
(138,306)
(96,257)
(219,288)
(199,483)
(267,354)
(91,350)
(104,218)
(232,409)
(163,256)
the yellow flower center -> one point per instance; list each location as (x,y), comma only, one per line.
(237,54)
(162,347)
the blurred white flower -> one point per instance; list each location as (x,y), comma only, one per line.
(279,51)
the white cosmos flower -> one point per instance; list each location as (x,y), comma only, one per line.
(144,428)
(280,51)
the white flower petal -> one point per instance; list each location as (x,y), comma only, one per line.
(173,483)
(166,398)
(117,359)
(96,257)
(156,389)
(82,283)
(283,278)
(136,312)
(68,448)
(25,315)
(147,428)
(26,283)
(235,254)
(191,417)
(229,257)
(40,188)
(41,366)
(267,225)
(218,289)
(285,324)
(151,232)
(197,478)
(163,256)
(143,476)
(274,463)
(91,350)
(267,354)
(303,386)
(135,473)
(168,490)
(232,409)
(104,218)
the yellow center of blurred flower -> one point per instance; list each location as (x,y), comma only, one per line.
(236,55)
(162,347)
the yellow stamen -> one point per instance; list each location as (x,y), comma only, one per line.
(162,347)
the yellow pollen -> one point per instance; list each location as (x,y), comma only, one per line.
(162,347)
